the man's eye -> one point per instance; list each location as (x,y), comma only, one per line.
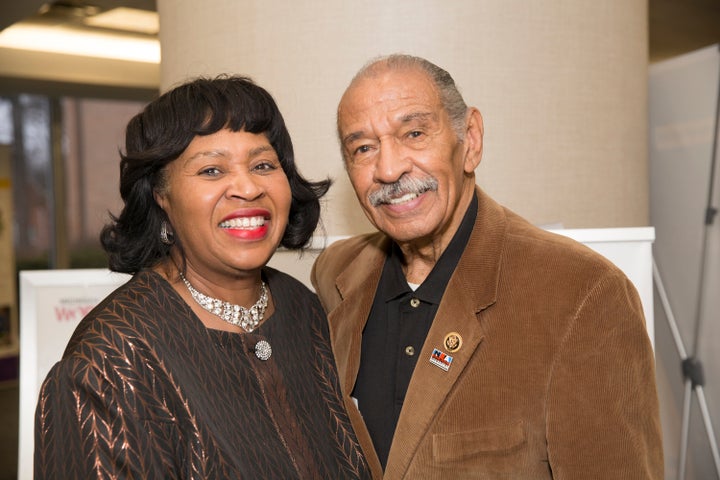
(362,149)
(415,134)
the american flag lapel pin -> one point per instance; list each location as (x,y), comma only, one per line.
(441,359)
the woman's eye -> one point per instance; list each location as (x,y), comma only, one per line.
(210,171)
(265,166)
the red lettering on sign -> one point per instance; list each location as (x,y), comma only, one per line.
(71,314)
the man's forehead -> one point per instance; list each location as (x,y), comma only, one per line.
(390,85)
(396,95)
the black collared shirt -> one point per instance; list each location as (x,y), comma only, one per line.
(395,333)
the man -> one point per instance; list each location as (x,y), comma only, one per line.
(474,344)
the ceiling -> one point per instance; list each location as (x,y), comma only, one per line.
(675,26)
(681,26)
(12,11)
(54,74)
(74,13)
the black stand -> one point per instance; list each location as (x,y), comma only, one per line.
(694,382)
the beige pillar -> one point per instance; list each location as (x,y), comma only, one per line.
(562,86)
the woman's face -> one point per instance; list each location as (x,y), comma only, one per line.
(228,200)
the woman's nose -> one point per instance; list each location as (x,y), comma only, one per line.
(244,186)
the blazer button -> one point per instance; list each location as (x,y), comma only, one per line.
(414,302)
(409,350)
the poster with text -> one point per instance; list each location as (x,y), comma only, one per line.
(52,303)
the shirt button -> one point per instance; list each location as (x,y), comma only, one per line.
(409,350)
(414,302)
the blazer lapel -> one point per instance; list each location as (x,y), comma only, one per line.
(472,288)
(357,285)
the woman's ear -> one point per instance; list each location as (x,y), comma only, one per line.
(160,199)
(474,130)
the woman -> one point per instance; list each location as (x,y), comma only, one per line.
(206,364)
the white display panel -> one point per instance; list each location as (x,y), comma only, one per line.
(52,303)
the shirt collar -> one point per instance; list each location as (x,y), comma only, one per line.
(393,282)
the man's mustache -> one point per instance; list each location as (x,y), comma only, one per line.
(403,186)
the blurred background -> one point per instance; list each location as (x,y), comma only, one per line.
(72,73)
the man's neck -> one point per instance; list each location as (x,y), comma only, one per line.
(421,255)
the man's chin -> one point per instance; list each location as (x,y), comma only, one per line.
(403,232)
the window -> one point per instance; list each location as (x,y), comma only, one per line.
(65,175)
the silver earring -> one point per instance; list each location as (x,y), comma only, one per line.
(167,237)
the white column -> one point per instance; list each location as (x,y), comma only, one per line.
(562,86)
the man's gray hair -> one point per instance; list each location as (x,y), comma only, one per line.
(450,96)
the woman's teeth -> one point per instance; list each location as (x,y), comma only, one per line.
(244,222)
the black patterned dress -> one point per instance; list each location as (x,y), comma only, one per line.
(145,390)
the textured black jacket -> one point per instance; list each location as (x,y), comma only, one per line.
(145,390)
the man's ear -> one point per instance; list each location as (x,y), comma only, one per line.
(474,130)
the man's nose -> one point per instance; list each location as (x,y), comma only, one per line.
(392,162)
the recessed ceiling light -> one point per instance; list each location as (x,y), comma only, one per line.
(75,41)
(123,18)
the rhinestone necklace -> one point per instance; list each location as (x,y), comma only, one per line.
(246,318)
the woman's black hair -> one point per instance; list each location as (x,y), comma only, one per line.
(162,131)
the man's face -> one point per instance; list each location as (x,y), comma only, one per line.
(407,166)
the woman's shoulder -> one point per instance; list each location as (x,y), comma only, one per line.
(142,291)
(131,307)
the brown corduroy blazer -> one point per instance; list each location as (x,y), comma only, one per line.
(555,377)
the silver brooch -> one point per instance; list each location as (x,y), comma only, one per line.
(263,350)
